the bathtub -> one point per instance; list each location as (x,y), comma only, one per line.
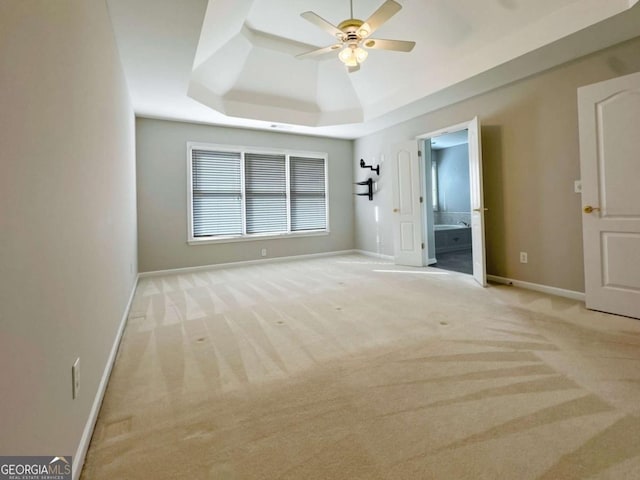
(449,227)
(451,238)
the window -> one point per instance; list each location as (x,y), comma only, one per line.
(265,183)
(434,186)
(237,193)
(308,197)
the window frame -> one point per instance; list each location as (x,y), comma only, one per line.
(244,237)
(435,187)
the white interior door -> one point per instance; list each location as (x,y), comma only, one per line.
(477,203)
(609,114)
(429,250)
(407,218)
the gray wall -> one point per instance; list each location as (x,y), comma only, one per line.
(67,216)
(453,178)
(531,159)
(162,195)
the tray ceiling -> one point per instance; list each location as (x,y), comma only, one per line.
(232,62)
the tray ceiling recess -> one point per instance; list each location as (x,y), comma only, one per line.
(233,62)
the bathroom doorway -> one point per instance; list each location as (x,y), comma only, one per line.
(414,215)
(449,219)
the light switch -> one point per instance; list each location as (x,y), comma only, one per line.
(577,186)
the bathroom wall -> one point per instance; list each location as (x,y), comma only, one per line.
(454,200)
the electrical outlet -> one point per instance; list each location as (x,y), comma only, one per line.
(263,252)
(75,378)
(524,258)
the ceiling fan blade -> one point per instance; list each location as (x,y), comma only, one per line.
(318,21)
(353,69)
(387,10)
(395,45)
(320,51)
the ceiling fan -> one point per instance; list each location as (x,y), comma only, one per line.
(354,34)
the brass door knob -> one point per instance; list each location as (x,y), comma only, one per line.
(395,210)
(590,209)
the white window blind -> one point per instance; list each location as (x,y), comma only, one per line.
(308,194)
(265,180)
(217,193)
(236,193)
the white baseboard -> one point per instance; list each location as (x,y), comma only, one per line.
(375,255)
(244,263)
(81,452)
(561,292)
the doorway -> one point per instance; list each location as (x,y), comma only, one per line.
(450,202)
(414,236)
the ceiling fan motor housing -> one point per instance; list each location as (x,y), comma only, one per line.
(353,30)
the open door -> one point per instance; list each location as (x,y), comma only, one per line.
(407,214)
(429,252)
(477,202)
(609,163)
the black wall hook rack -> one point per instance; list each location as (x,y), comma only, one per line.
(369,183)
(363,165)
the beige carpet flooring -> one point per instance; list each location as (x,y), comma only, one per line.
(347,367)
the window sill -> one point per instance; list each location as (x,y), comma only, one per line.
(256,237)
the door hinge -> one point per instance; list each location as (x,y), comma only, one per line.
(421,199)
(419,153)
(422,245)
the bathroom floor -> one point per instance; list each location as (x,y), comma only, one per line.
(461,261)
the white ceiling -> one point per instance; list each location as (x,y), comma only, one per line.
(232,62)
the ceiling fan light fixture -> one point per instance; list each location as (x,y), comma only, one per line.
(348,56)
(361,54)
(353,55)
